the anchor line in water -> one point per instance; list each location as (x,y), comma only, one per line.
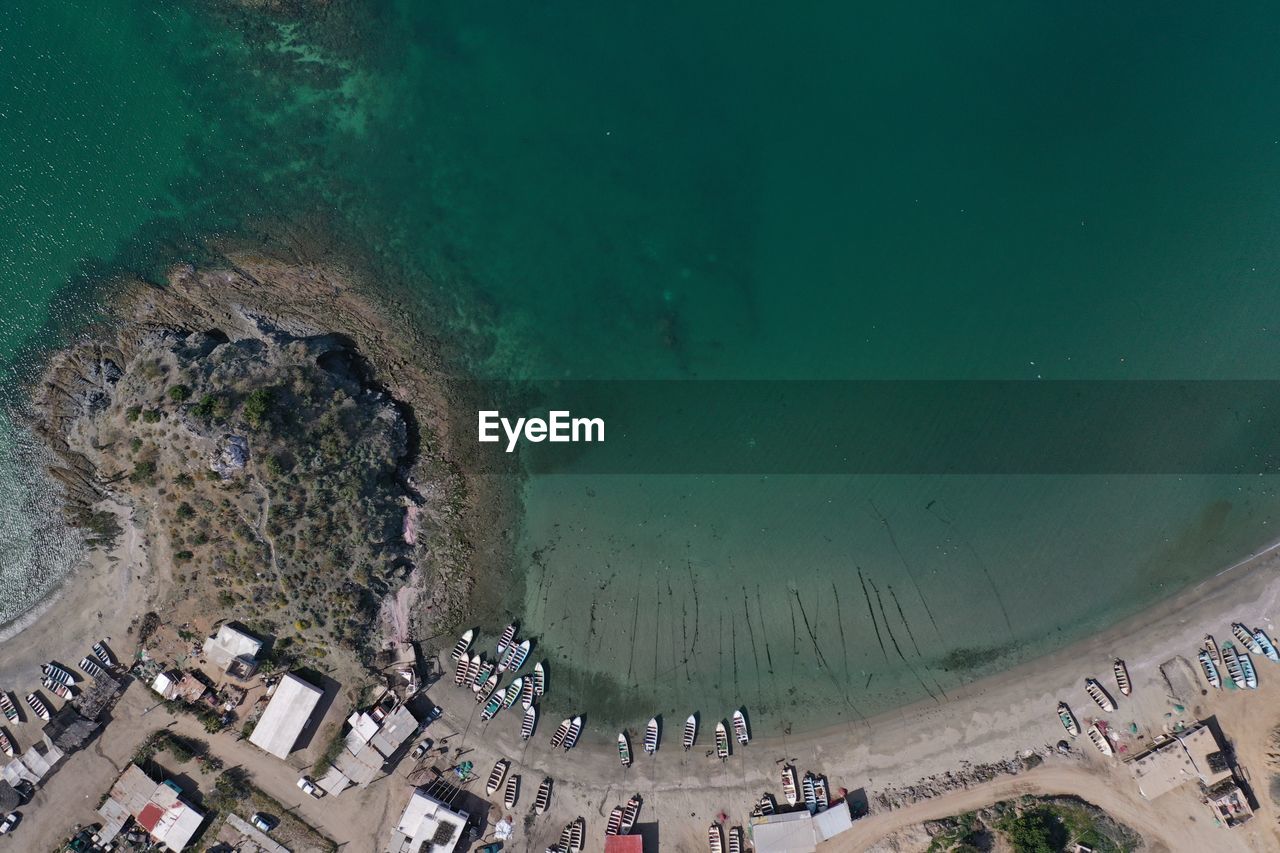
(893,540)
(982,564)
(844,647)
(635,623)
(903,617)
(894,640)
(764,630)
(872,612)
(843,689)
(751,633)
(657,615)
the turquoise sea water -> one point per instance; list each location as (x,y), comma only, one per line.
(848,191)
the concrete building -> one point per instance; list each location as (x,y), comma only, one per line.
(157,808)
(429,824)
(233,651)
(287,714)
(1191,755)
(799,831)
(374,737)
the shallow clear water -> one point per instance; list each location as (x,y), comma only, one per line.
(847,191)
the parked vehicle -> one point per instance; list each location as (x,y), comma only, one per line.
(309,787)
(263,821)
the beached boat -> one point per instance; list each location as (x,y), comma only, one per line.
(1122,677)
(57,673)
(722,741)
(57,688)
(1246,639)
(651,736)
(494,705)
(1250,675)
(577,834)
(1099,694)
(513,693)
(504,642)
(767,805)
(820,791)
(10,709)
(715,838)
(472,670)
(102,653)
(1100,741)
(464,643)
(482,677)
(571,737)
(740,727)
(690,733)
(92,669)
(487,689)
(460,669)
(735,839)
(526,692)
(539,679)
(630,813)
(615,821)
(527,724)
(6,745)
(511,792)
(566,839)
(1068,719)
(515,657)
(789,785)
(37,704)
(542,800)
(810,793)
(1210,669)
(624,749)
(1264,643)
(1232,663)
(496,775)
(561,732)
(1212,645)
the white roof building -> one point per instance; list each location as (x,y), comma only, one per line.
(286,716)
(166,685)
(427,826)
(229,644)
(799,831)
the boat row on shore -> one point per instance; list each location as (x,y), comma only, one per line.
(1235,663)
(689,736)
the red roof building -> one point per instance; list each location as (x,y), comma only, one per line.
(623,844)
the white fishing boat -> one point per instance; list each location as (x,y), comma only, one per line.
(460,669)
(515,657)
(10,709)
(1100,741)
(526,692)
(735,839)
(57,688)
(57,673)
(740,727)
(767,805)
(539,679)
(1122,677)
(615,821)
(513,693)
(511,792)
(473,669)
(1099,694)
(715,838)
(566,839)
(1210,669)
(1250,674)
(1212,645)
(561,732)
(651,736)
(496,776)
(6,745)
(542,800)
(92,669)
(571,737)
(504,642)
(1246,639)
(722,741)
(630,813)
(1268,647)
(789,785)
(624,749)
(37,704)
(486,670)
(1068,719)
(102,653)
(810,793)
(820,791)
(494,705)
(464,643)
(487,689)
(526,725)
(1232,662)
(690,732)
(577,835)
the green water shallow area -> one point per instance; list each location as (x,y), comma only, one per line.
(846,190)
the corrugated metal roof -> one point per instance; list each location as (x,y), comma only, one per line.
(623,844)
(788,832)
(286,716)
